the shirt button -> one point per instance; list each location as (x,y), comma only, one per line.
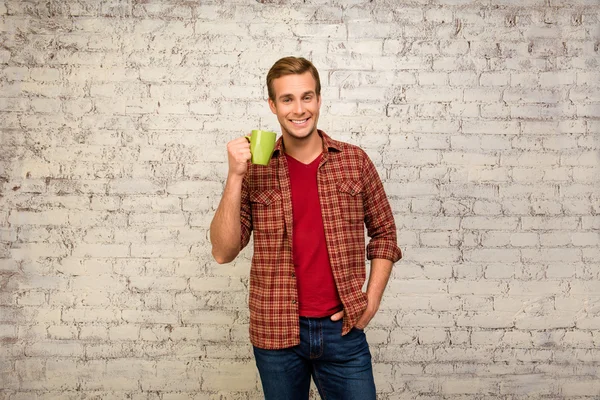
(293,275)
(293,301)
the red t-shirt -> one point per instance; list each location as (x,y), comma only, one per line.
(317,293)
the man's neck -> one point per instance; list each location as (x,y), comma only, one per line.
(304,150)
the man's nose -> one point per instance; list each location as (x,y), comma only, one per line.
(299,107)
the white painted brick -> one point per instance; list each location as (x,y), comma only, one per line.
(486,255)
(524,239)
(432,78)
(495,78)
(477,303)
(495,239)
(219,333)
(555,239)
(464,109)
(461,158)
(411,189)
(442,94)
(143,283)
(487,208)
(585,158)
(486,191)
(585,287)
(558,271)
(94,333)
(149,317)
(552,255)
(490,223)
(421,319)
(536,191)
(54,349)
(457,62)
(406,303)
(558,174)
(546,223)
(228,351)
(591,323)
(482,95)
(431,110)
(123,332)
(524,80)
(525,174)
(551,321)
(580,388)
(588,110)
(8,332)
(579,339)
(101,250)
(590,222)
(578,206)
(367,46)
(491,127)
(435,239)
(462,354)
(468,271)
(499,271)
(475,287)
(89,315)
(546,207)
(456,207)
(466,78)
(495,111)
(533,384)
(229,376)
(31,298)
(585,174)
(138,175)
(154,334)
(429,126)
(432,255)
(576,190)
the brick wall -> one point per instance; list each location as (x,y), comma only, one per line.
(482,116)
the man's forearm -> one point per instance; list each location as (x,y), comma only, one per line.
(225,231)
(378,279)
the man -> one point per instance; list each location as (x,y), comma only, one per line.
(308,210)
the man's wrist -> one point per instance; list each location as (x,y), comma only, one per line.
(234,179)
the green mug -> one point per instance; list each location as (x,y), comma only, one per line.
(262,144)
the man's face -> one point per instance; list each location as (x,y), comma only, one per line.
(296,104)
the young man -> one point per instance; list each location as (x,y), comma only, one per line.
(308,210)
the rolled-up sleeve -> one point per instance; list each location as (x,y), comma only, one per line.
(379,219)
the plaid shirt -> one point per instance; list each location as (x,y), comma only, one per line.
(351,196)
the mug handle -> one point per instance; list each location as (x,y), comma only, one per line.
(248,138)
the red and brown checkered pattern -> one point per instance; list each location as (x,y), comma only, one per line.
(352,197)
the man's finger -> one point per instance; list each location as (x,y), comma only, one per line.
(337,316)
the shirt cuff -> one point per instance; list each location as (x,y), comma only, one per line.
(386,250)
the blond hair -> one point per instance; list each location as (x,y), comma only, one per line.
(290,66)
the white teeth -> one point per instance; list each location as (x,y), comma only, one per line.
(299,121)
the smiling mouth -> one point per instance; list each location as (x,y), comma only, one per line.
(299,121)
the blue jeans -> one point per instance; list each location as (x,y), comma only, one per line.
(340,365)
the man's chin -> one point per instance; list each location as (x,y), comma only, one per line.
(301,133)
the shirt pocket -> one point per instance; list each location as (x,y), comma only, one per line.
(267,210)
(350,196)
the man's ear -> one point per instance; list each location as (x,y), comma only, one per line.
(272,106)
